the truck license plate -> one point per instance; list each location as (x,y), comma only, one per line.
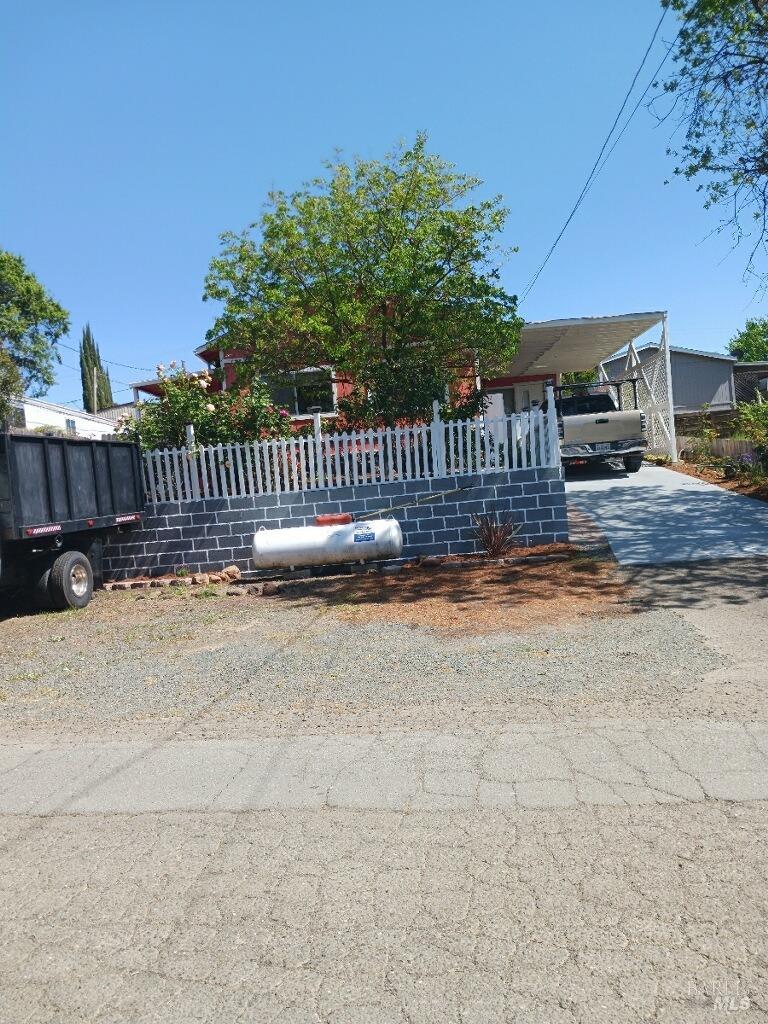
(603,446)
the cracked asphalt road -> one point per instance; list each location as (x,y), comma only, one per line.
(546,827)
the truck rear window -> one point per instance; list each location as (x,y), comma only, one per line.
(585,405)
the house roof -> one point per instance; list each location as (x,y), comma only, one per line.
(681,350)
(81,414)
(558,346)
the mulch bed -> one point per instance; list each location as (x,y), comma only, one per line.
(482,599)
(711,475)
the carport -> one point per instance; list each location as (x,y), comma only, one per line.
(550,348)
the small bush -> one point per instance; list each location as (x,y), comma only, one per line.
(496,534)
(703,437)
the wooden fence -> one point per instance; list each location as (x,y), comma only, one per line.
(722,447)
(437,449)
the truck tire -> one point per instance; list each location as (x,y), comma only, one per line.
(71,580)
(41,591)
(632,463)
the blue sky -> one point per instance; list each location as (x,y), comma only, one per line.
(133,134)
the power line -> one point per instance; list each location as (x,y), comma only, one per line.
(597,164)
(76,369)
(636,107)
(125,366)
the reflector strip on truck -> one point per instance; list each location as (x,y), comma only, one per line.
(134,517)
(41,531)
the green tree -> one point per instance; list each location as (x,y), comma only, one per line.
(381,269)
(750,345)
(31,323)
(579,377)
(90,360)
(718,92)
(11,384)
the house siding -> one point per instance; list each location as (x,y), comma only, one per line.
(208,535)
(697,380)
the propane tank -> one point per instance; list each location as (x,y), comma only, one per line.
(325,545)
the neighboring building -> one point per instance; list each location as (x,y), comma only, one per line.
(749,378)
(34,414)
(119,412)
(698,378)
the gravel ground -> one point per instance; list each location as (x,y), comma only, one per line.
(445,912)
(225,665)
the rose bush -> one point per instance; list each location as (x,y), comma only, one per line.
(243,413)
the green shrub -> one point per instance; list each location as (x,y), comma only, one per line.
(243,413)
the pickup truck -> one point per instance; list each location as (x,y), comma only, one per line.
(594,428)
(60,500)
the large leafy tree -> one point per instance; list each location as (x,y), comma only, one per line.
(31,322)
(751,343)
(720,94)
(90,360)
(386,271)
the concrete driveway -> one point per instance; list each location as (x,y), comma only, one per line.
(658,516)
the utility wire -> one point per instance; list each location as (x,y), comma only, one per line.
(597,164)
(77,370)
(637,106)
(112,362)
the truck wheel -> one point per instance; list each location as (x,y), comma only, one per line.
(41,591)
(71,581)
(632,463)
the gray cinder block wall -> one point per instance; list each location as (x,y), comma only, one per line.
(210,534)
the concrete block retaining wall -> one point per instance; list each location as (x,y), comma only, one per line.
(212,533)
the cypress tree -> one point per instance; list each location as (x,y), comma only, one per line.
(90,358)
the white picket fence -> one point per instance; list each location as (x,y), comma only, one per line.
(437,449)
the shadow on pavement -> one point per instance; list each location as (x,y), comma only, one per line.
(700,584)
(651,524)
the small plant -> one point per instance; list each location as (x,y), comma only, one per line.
(704,436)
(753,425)
(181,570)
(207,591)
(496,534)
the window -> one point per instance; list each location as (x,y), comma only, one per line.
(309,389)
(581,405)
(71,426)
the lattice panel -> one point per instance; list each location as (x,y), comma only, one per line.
(653,395)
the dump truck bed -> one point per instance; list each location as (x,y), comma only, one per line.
(53,485)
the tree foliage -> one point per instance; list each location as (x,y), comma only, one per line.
(90,360)
(752,423)
(11,384)
(381,269)
(720,95)
(241,413)
(750,345)
(31,323)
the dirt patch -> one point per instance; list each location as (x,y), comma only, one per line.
(476,601)
(711,475)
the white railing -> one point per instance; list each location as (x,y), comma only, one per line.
(438,449)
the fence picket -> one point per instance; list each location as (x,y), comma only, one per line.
(351,458)
(311,455)
(248,468)
(204,473)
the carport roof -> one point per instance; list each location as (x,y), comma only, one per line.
(558,346)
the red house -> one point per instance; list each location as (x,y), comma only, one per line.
(547,349)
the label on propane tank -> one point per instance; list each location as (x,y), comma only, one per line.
(363,535)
